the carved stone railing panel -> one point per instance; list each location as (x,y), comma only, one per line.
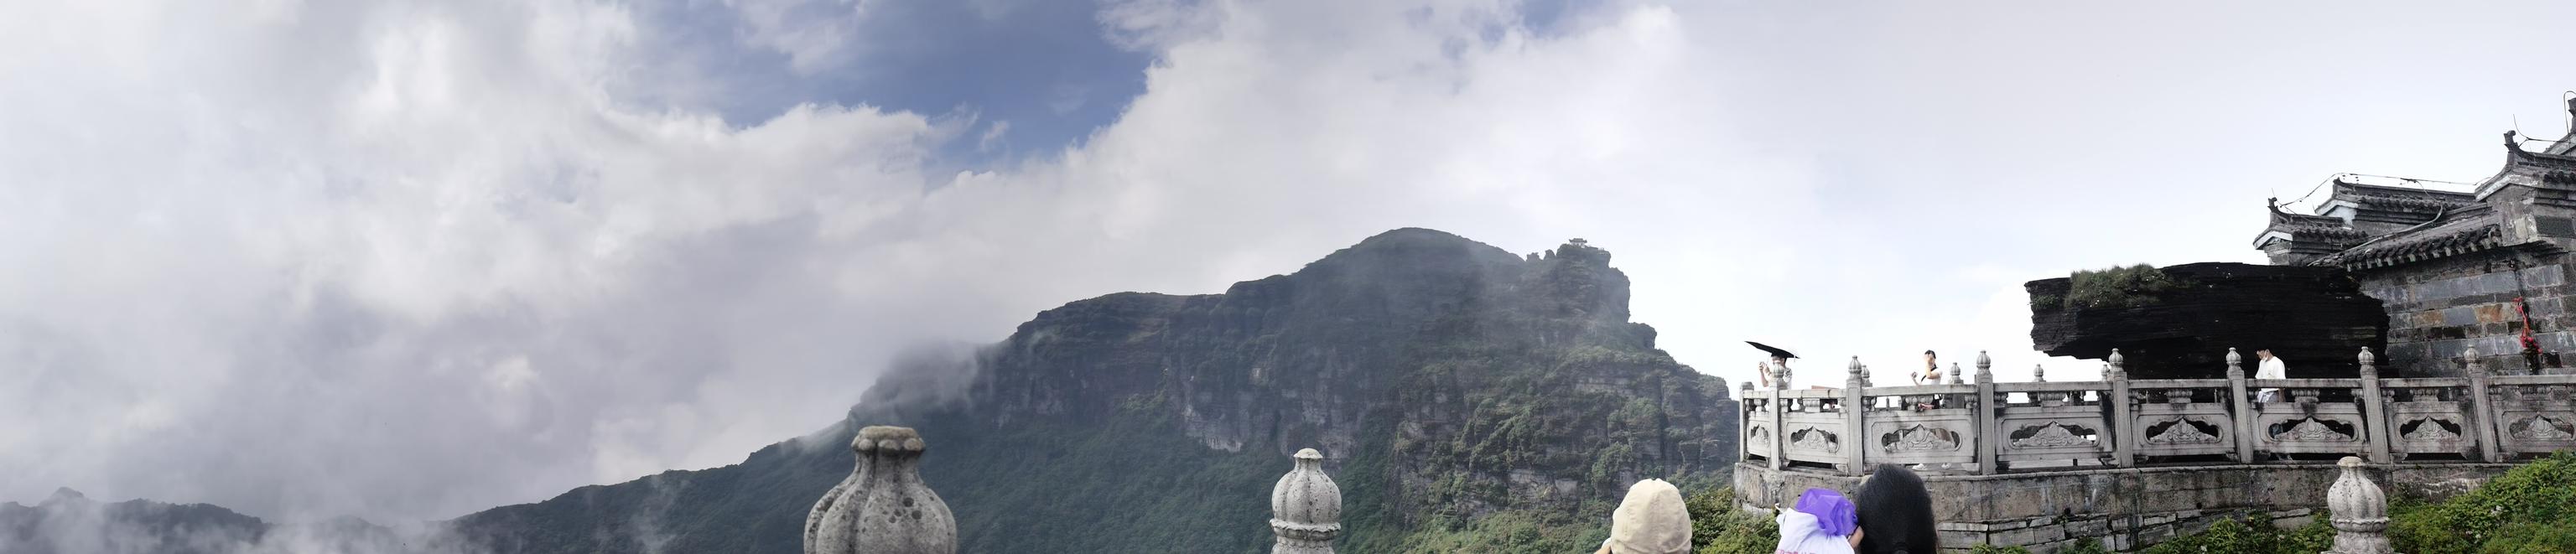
(1945,436)
(2536,427)
(2180,426)
(2534,413)
(1758,438)
(2054,424)
(2118,421)
(1813,437)
(2430,427)
(2337,428)
(2075,437)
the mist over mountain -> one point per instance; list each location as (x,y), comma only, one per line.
(69,522)
(1466,399)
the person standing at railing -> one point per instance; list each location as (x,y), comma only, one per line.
(2270,368)
(1931,375)
(1779,359)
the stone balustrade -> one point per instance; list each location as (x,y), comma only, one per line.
(1987,427)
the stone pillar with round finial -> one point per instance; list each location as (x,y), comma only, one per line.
(882,507)
(1987,402)
(2374,409)
(2241,406)
(2358,511)
(2123,403)
(2480,399)
(1305,508)
(1855,406)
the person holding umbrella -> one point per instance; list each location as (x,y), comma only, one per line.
(1779,358)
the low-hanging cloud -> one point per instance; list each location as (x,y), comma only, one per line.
(407,261)
(410,260)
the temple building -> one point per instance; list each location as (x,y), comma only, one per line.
(2484,266)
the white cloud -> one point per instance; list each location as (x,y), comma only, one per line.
(407,261)
(814,34)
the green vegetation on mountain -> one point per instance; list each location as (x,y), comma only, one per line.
(1466,399)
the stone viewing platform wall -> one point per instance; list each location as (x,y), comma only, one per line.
(2130,462)
(2121,508)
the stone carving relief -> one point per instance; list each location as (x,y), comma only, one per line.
(2541,428)
(2312,430)
(1815,439)
(2051,435)
(1919,439)
(2430,429)
(1761,436)
(2183,431)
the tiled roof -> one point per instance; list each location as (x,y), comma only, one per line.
(2308,227)
(2468,231)
(2399,198)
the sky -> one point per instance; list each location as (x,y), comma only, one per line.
(407,260)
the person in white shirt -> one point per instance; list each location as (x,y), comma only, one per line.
(2270,368)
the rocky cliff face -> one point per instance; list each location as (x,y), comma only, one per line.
(1465,397)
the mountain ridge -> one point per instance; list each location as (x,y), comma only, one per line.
(1466,399)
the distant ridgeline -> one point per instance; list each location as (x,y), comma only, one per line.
(1465,398)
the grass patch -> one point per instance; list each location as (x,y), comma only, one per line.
(2118,287)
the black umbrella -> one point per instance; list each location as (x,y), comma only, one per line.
(1775,352)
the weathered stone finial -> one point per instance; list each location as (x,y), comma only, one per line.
(1305,508)
(2235,364)
(2119,366)
(2038,373)
(1953,376)
(2369,364)
(1779,376)
(2359,512)
(2476,365)
(882,507)
(1853,375)
(1985,368)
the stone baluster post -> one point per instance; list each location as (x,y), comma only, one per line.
(2123,427)
(1744,423)
(1952,377)
(2373,413)
(2359,512)
(1855,414)
(882,507)
(1779,413)
(1987,403)
(1305,508)
(2242,407)
(2480,400)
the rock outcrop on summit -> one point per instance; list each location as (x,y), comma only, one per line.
(1456,391)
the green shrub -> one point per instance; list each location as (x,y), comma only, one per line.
(2533,538)
(1992,549)
(2118,287)
(1718,528)
(2086,547)
(2251,534)
(2529,509)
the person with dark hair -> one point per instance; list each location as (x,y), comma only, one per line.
(1895,512)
